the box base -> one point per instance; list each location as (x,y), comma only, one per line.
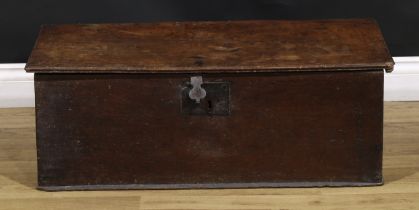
(209,186)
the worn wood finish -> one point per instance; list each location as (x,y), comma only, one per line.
(232,46)
(400,169)
(295,129)
(288,104)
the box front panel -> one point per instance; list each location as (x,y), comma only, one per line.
(105,131)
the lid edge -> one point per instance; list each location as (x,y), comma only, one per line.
(179,70)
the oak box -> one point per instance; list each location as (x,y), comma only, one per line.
(232,104)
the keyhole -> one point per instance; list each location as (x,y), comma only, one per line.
(209,104)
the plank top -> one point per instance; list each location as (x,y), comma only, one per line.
(211,47)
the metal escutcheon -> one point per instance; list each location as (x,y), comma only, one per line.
(197,92)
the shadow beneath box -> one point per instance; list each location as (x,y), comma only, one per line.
(27,174)
(18,163)
(23,173)
(397,174)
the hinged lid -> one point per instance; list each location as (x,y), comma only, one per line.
(194,47)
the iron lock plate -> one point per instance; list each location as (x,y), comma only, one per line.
(205,98)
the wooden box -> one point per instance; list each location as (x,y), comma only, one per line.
(233,104)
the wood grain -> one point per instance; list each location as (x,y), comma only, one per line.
(223,46)
(119,131)
(400,191)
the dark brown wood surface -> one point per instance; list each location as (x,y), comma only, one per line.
(232,46)
(123,131)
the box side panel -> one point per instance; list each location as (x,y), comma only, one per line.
(107,131)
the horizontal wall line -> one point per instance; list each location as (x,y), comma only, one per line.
(16,86)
